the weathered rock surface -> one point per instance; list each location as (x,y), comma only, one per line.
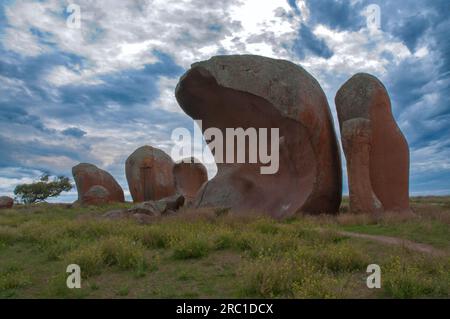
(189,176)
(148,211)
(6,202)
(96,186)
(377,153)
(356,136)
(149,174)
(252,91)
(97,195)
(159,207)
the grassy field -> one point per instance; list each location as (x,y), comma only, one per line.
(207,254)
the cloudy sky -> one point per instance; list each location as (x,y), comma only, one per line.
(97,92)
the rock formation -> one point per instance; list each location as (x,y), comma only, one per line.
(376,151)
(189,176)
(149,174)
(147,212)
(96,186)
(256,92)
(6,202)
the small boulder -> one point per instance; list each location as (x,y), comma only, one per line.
(148,211)
(6,202)
(189,175)
(173,203)
(87,176)
(160,207)
(150,208)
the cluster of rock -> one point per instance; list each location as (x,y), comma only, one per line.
(249,91)
(252,91)
(154,180)
(148,211)
(6,202)
(153,175)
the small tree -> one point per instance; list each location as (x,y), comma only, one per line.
(41,190)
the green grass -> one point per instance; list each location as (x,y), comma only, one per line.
(203,254)
(429,224)
(431,232)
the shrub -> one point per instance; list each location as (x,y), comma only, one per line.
(13,277)
(195,247)
(411,280)
(338,258)
(89,258)
(123,252)
(224,240)
(268,278)
(313,282)
(9,235)
(113,251)
(155,238)
(245,241)
(41,190)
(266,226)
(60,247)
(287,276)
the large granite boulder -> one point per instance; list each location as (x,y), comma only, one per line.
(6,202)
(376,151)
(247,91)
(189,176)
(96,186)
(149,174)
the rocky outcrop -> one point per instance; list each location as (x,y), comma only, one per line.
(249,91)
(189,176)
(6,202)
(159,207)
(96,186)
(149,174)
(149,211)
(377,153)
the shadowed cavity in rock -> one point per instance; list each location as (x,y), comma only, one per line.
(239,92)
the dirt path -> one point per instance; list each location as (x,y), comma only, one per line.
(423,248)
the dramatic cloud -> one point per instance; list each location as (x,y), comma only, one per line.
(95,93)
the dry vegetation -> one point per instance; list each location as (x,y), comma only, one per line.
(217,254)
